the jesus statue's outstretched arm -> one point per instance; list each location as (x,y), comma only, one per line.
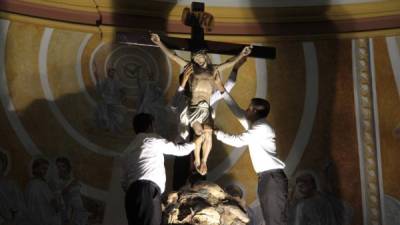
(171,54)
(232,61)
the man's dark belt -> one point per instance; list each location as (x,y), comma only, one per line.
(270,172)
(137,182)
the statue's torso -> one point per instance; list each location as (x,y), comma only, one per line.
(202,87)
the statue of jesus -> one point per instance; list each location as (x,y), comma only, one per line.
(204,80)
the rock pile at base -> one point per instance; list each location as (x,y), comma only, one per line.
(203,204)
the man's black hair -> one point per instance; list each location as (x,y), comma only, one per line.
(261,106)
(142,122)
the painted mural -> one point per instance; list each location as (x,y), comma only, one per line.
(68,98)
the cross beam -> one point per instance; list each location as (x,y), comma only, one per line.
(197,19)
(183,44)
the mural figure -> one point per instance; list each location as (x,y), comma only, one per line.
(110,112)
(67,189)
(204,78)
(12,204)
(311,206)
(392,210)
(43,206)
(151,100)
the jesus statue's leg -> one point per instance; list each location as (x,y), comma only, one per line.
(198,129)
(206,148)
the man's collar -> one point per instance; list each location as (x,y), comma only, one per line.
(146,134)
(259,121)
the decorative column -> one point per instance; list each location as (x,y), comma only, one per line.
(368,131)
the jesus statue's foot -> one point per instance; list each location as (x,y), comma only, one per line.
(203,168)
(197,166)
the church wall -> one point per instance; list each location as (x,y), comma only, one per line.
(49,100)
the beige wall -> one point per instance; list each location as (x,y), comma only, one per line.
(312,99)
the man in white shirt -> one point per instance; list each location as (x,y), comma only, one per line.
(143,171)
(260,138)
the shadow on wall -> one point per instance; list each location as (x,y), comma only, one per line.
(70,130)
(146,15)
(84,133)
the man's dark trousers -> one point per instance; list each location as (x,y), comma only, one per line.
(273,195)
(143,204)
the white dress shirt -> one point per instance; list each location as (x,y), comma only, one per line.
(259,137)
(144,159)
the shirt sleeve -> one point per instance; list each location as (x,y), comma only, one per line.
(229,84)
(170,148)
(236,110)
(179,99)
(214,98)
(239,140)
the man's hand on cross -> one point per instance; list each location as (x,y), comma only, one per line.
(188,71)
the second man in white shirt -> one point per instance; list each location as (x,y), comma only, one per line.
(259,136)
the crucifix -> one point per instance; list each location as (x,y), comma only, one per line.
(204,76)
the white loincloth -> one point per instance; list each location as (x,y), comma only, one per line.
(192,114)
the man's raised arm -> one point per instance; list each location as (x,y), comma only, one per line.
(170,148)
(229,84)
(180,98)
(236,110)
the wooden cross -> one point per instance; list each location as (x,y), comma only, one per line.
(197,19)
(194,19)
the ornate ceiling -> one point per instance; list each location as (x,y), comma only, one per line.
(233,17)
